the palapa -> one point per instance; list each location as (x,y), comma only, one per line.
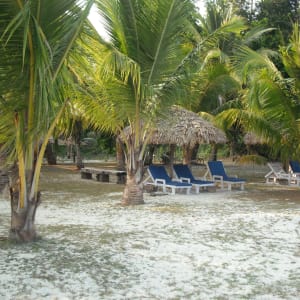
(182,127)
(251,138)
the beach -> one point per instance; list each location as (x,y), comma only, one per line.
(214,245)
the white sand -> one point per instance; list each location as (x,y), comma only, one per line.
(221,245)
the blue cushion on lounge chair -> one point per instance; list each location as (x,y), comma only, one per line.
(160,178)
(217,168)
(295,166)
(159,172)
(218,174)
(184,173)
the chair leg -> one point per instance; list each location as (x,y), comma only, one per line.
(229,186)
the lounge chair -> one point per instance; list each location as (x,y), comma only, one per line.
(218,174)
(160,178)
(184,174)
(295,171)
(277,173)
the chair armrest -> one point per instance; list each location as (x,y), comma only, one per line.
(183,179)
(160,181)
(218,177)
(270,173)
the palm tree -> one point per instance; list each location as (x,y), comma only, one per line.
(140,71)
(216,84)
(270,104)
(36,38)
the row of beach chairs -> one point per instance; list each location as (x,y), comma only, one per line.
(278,174)
(185,180)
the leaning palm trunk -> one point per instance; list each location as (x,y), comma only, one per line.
(22,218)
(24,194)
(36,38)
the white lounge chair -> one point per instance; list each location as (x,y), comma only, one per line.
(218,174)
(160,178)
(184,174)
(277,173)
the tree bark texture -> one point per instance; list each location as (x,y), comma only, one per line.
(78,158)
(23,220)
(120,155)
(133,192)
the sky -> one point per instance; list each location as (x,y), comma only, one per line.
(96,19)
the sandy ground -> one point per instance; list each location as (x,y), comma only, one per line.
(221,245)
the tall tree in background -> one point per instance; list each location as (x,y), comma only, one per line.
(36,38)
(216,83)
(279,14)
(243,8)
(270,106)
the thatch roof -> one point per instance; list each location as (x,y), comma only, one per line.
(251,138)
(183,127)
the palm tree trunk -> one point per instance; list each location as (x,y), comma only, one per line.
(172,159)
(133,192)
(22,219)
(77,138)
(78,158)
(120,155)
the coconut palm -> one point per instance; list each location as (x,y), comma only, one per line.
(36,38)
(152,48)
(137,74)
(270,106)
(214,83)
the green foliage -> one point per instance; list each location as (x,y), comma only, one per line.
(255,159)
(270,102)
(36,38)
(279,14)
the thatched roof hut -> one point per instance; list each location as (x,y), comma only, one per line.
(183,127)
(251,138)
